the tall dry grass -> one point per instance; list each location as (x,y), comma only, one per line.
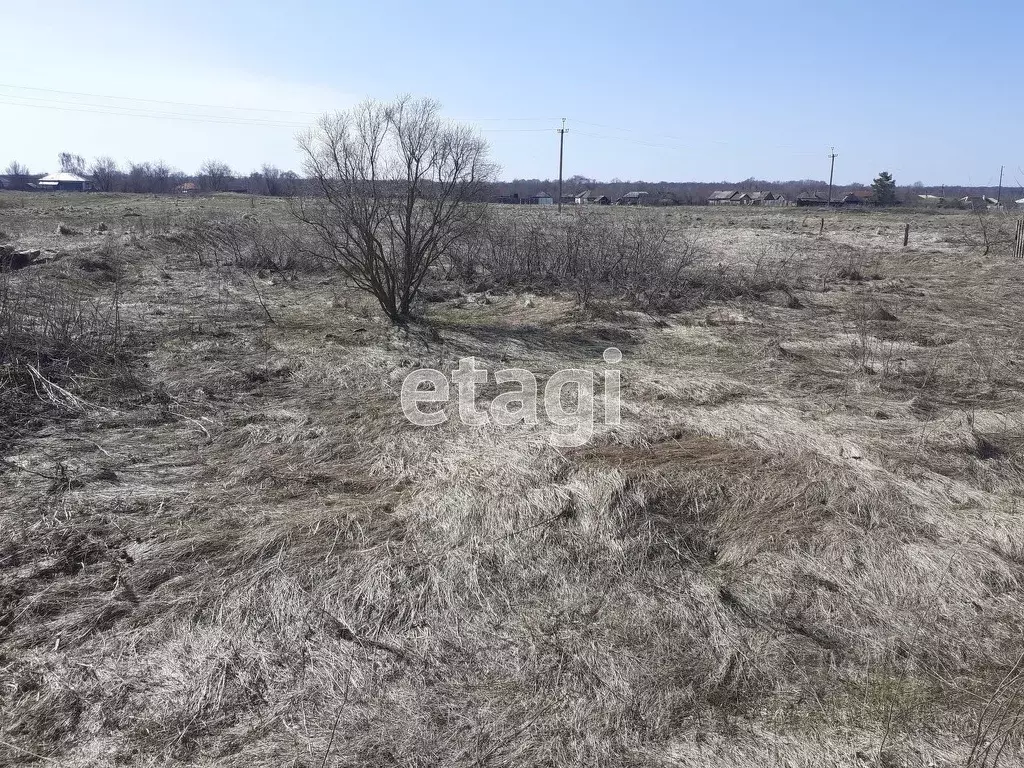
(265,564)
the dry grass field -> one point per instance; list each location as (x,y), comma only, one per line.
(221,543)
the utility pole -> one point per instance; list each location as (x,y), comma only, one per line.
(999,194)
(831,171)
(561,146)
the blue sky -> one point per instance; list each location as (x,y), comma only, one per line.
(652,90)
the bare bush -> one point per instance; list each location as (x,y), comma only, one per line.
(51,337)
(398,187)
(754,278)
(636,256)
(988,230)
(247,242)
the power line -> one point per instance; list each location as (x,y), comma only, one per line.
(630,141)
(226,106)
(686,143)
(515,130)
(116,111)
(156,101)
(111,109)
(130,110)
(158,116)
(138,111)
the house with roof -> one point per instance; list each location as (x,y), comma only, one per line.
(541,198)
(767,198)
(733,197)
(857,197)
(632,198)
(805,199)
(722,197)
(64,182)
(978,202)
(587,197)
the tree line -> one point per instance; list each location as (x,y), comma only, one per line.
(107,175)
(697,192)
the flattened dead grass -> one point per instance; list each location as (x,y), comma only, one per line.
(794,550)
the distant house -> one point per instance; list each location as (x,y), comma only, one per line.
(64,182)
(632,198)
(19,181)
(588,197)
(978,202)
(513,199)
(723,197)
(858,197)
(732,197)
(188,188)
(805,199)
(542,198)
(767,198)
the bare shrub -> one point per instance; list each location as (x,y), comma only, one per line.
(53,338)
(398,187)
(247,243)
(157,224)
(636,256)
(755,278)
(988,230)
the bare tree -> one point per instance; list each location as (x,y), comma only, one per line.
(289,183)
(151,177)
(105,173)
(271,179)
(138,177)
(213,174)
(71,163)
(162,177)
(17,175)
(398,186)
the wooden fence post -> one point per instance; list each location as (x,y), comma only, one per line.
(1018,243)
(906,235)
(822,225)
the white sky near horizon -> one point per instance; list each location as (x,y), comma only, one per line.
(653,90)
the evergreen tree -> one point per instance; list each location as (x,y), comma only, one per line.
(884,188)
